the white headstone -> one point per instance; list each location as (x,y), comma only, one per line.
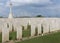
(1,27)
(19,32)
(40,21)
(32,30)
(46,26)
(53,25)
(5,33)
(57,24)
(39,28)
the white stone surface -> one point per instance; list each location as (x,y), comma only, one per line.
(32,30)
(24,22)
(53,25)
(39,25)
(57,24)
(1,23)
(39,29)
(49,24)
(46,25)
(10,14)
(5,33)
(19,33)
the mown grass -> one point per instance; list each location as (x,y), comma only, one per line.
(0,37)
(51,38)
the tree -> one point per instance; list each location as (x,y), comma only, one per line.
(39,16)
(1,17)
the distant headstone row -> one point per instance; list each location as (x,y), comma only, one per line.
(44,25)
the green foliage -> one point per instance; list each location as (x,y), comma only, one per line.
(36,31)
(42,29)
(26,33)
(12,36)
(22,27)
(1,16)
(39,16)
(12,28)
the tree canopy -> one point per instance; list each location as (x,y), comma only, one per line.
(39,16)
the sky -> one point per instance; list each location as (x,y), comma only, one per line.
(48,8)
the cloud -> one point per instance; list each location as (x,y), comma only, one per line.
(2,11)
(53,7)
(23,2)
(34,7)
(30,1)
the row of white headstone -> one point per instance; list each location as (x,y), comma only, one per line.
(5,33)
(47,24)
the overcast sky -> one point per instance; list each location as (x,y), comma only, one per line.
(31,7)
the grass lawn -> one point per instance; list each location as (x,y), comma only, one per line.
(0,37)
(51,38)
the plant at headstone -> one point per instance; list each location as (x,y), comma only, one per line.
(29,30)
(36,31)
(12,36)
(7,25)
(22,27)
(41,29)
(12,28)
